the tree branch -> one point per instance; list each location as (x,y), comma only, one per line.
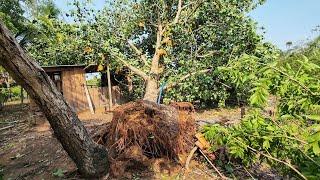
(194,10)
(185,77)
(176,19)
(133,69)
(156,57)
(209,54)
(292,79)
(275,159)
(189,75)
(138,52)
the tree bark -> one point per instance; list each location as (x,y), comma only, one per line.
(90,158)
(151,91)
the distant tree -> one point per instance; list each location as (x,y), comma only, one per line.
(289,44)
(20,15)
(309,52)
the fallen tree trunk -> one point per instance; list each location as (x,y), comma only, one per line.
(90,158)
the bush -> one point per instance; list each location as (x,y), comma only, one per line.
(288,140)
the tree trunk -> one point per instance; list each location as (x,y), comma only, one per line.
(151,91)
(130,84)
(90,158)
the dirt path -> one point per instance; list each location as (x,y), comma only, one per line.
(34,153)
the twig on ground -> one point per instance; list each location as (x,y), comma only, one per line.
(207,173)
(275,159)
(207,122)
(214,167)
(190,157)
(248,172)
(11,122)
(99,140)
(7,127)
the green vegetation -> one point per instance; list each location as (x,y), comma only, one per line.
(289,139)
(207,35)
(20,16)
(94,82)
(58,173)
(206,51)
(4,94)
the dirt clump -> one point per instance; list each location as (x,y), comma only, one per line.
(142,131)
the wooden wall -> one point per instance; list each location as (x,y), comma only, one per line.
(73,82)
(100,97)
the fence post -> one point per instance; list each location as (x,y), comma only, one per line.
(109,85)
(88,98)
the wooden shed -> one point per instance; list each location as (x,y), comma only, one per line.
(70,80)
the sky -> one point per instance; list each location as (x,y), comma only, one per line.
(283,20)
(288,20)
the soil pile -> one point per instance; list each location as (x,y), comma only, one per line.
(143,131)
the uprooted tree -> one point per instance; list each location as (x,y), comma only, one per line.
(90,158)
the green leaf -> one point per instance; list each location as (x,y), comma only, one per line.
(266,144)
(59,173)
(286,116)
(314,117)
(316,148)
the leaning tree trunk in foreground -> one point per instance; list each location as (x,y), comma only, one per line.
(90,158)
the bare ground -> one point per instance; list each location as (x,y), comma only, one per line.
(34,153)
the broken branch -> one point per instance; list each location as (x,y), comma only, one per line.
(275,159)
(176,19)
(138,52)
(214,167)
(133,69)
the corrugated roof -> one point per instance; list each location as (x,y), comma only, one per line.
(59,66)
(88,68)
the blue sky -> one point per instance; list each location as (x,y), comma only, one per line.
(284,20)
(288,20)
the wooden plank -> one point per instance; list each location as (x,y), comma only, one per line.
(82,92)
(97,96)
(66,86)
(74,93)
(89,99)
(77,88)
(109,85)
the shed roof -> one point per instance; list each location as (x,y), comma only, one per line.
(55,68)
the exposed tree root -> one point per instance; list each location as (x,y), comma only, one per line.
(142,131)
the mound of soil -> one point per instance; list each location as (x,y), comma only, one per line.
(143,131)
